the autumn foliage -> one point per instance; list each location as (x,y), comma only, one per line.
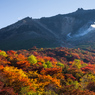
(59,71)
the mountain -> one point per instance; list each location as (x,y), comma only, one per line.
(74,29)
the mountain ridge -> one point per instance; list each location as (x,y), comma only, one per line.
(67,30)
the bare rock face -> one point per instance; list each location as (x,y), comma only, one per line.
(67,30)
(67,25)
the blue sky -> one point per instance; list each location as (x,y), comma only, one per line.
(13,10)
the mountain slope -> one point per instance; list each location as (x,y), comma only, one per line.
(68,30)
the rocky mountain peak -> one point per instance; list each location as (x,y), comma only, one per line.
(80,9)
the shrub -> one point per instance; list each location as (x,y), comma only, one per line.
(32,59)
(3,53)
(44,65)
(48,64)
(60,64)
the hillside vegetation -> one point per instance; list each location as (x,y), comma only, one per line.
(58,71)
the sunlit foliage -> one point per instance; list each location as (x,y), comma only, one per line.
(59,71)
(3,53)
(32,59)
